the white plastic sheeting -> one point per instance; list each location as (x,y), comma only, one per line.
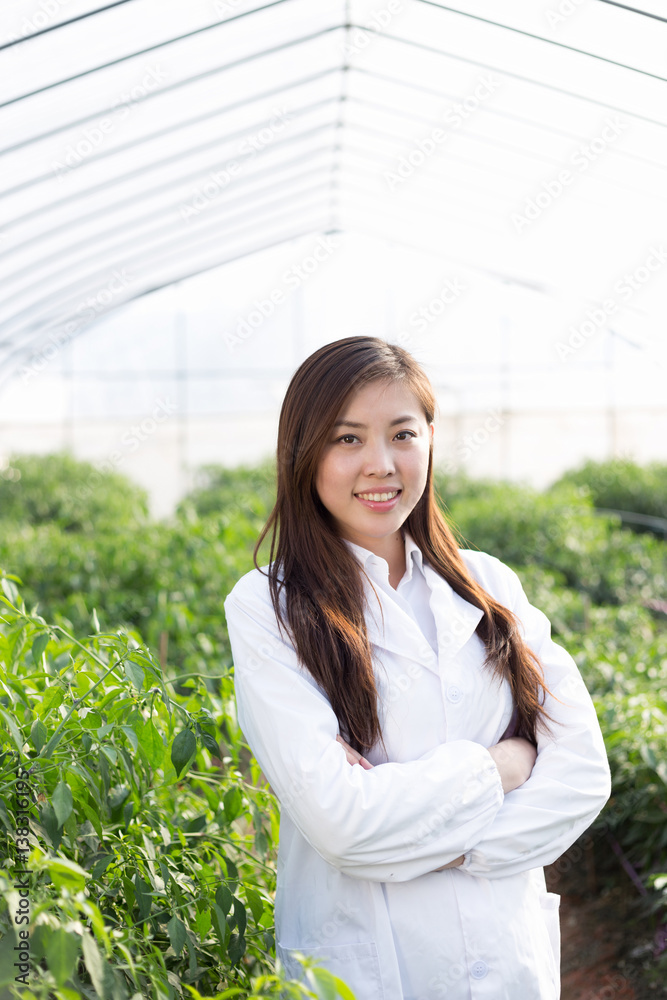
(145,141)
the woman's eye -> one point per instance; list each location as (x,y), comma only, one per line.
(401,434)
(348,438)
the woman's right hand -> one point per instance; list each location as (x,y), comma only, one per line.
(352,756)
(514,758)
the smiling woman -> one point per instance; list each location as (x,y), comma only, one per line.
(414,828)
(372,475)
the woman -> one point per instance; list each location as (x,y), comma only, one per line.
(431,746)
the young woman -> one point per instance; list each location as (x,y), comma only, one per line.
(431,746)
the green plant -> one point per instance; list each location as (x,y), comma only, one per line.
(241,491)
(69,494)
(150,844)
(621,484)
(560,531)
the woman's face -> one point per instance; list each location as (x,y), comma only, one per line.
(372,472)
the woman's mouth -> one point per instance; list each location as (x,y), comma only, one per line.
(380,500)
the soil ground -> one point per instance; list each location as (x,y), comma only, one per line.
(607,937)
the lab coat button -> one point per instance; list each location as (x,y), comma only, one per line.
(479,970)
(454,694)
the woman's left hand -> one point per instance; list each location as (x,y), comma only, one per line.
(352,756)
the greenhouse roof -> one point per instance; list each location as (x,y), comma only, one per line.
(145,141)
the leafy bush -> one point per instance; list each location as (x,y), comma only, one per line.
(240,491)
(71,495)
(560,531)
(623,657)
(150,849)
(620,484)
(167,581)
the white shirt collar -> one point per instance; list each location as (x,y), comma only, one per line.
(376,565)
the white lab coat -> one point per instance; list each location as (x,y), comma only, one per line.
(358,848)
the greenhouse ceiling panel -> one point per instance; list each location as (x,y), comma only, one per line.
(145,141)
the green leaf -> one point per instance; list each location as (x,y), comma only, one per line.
(128,810)
(203,923)
(143,896)
(219,924)
(232,803)
(224,898)
(117,796)
(210,743)
(38,734)
(254,902)
(10,592)
(240,919)
(90,719)
(38,647)
(62,951)
(151,743)
(62,802)
(236,948)
(66,874)
(109,753)
(132,737)
(177,934)
(261,843)
(94,963)
(53,698)
(183,749)
(101,866)
(135,674)
(13,729)
(232,870)
(128,892)
(49,747)
(330,987)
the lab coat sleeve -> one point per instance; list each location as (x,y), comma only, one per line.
(570,781)
(393,822)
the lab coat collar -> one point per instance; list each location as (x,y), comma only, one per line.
(394,630)
(377,567)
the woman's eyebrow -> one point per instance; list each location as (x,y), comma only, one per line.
(363,427)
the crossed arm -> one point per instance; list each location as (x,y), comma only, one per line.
(514,758)
(403,819)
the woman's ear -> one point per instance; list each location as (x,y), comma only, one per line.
(432,427)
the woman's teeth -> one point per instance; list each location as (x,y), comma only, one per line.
(377,497)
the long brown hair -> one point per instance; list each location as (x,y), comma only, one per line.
(323,610)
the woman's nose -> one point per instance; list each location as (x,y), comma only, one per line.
(379,461)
